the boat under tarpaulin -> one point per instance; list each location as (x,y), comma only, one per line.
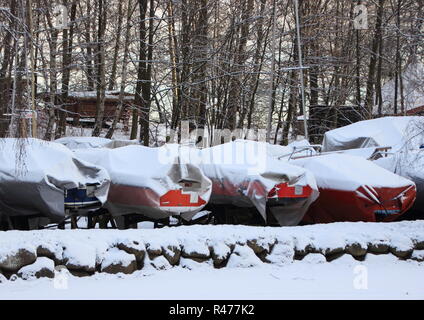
(354,189)
(40,178)
(394,143)
(152,182)
(244,176)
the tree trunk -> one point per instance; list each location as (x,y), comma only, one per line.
(123,77)
(373,60)
(101,79)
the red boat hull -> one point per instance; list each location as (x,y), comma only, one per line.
(364,204)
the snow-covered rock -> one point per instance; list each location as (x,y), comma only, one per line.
(196,250)
(50,250)
(133,247)
(314,258)
(172,254)
(14,256)
(85,251)
(281,254)
(42,267)
(192,264)
(116,261)
(418,255)
(160,263)
(80,256)
(243,257)
(220,253)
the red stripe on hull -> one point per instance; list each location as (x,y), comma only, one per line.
(176,198)
(145,197)
(340,205)
(225,188)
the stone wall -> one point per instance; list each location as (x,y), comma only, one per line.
(34,254)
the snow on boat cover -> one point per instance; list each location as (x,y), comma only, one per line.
(244,175)
(395,132)
(35,176)
(408,164)
(74,143)
(153,182)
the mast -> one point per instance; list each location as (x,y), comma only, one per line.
(302,87)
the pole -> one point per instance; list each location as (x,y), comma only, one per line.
(302,88)
(31,50)
(271,91)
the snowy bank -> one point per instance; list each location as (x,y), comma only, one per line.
(85,252)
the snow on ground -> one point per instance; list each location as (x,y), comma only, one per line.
(388,278)
(245,276)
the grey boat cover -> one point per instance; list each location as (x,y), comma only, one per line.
(395,132)
(74,143)
(154,182)
(34,175)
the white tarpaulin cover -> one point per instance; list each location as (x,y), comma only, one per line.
(243,175)
(74,143)
(347,172)
(34,175)
(151,181)
(396,132)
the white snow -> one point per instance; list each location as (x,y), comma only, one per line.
(314,258)
(80,253)
(191,264)
(386,278)
(245,277)
(114,256)
(418,254)
(413,92)
(243,257)
(347,172)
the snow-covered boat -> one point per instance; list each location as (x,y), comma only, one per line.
(150,182)
(393,143)
(354,189)
(74,143)
(245,178)
(351,187)
(45,179)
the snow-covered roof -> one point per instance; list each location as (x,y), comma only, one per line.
(110,95)
(413,90)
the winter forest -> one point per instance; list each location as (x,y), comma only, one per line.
(219,64)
